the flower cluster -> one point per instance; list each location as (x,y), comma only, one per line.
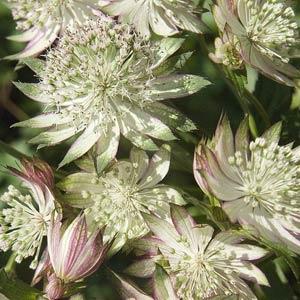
(104,81)
(202,266)
(25,218)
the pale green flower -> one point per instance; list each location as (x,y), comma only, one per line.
(117,198)
(259,181)
(164,17)
(202,266)
(103,80)
(25,218)
(263,32)
(41,22)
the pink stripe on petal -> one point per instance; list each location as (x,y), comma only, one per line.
(53,239)
(89,259)
(76,242)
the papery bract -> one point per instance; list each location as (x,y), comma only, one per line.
(74,253)
(164,17)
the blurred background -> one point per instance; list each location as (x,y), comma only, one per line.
(205,108)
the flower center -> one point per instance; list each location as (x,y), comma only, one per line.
(270,176)
(95,71)
(22,225)
(118,205)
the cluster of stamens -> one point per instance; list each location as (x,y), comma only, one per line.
(22,226)
(271,178)
(202,275)
(271,26)
(119,205)
(97,67)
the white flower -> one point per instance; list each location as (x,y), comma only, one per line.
(258,181)
(25,218)
(202,266)
(103,80)
(43,21)
(117,197)
(266,31)
(164,17)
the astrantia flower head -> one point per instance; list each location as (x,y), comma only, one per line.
(258,181)
(102,80)
(262,31)
(164,17)
(25,218)
(43,21)
(202,266)
(117,197)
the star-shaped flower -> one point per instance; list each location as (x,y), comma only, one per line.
(117,198)
(103,80)
(260,33)
(257,181)
(200,265)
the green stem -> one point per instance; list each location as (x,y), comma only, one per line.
(260,109)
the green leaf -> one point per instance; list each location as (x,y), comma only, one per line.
(163,288)
(16,289)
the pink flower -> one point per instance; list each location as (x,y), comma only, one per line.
(73,253)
